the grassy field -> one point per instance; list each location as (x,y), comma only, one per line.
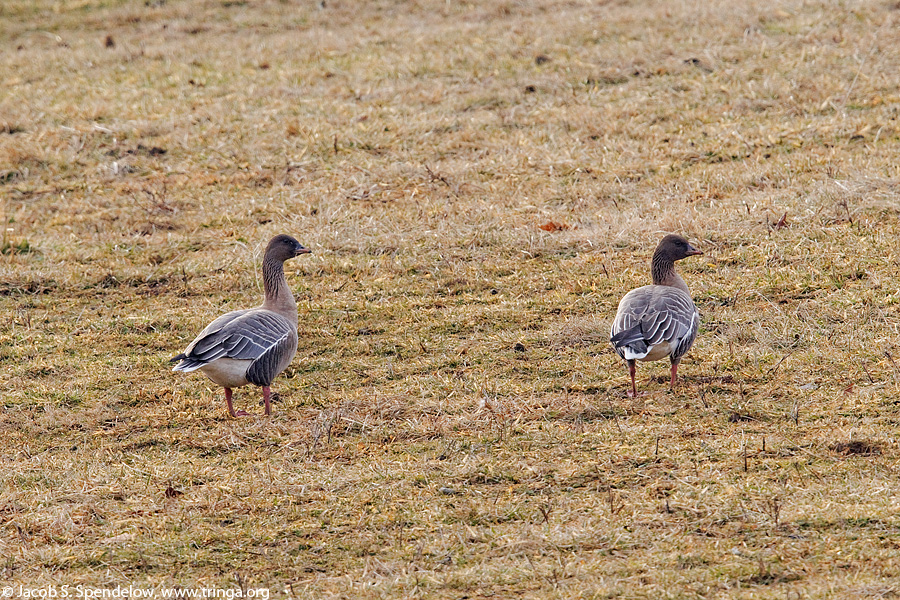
(480,183)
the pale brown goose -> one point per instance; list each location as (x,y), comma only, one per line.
(658,320)
(253,345)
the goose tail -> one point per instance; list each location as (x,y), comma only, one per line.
(631,343)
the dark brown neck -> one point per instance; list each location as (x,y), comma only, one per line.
(279,297)
(662,267)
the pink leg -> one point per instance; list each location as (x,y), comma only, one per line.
(674,377)
(231,412)
(267,395)
(631,370)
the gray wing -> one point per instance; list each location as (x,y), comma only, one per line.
(258,335)
(654,314)
(273,360)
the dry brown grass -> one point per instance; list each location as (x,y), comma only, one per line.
(455,425)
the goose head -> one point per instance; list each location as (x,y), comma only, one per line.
(674,247)
(283,247)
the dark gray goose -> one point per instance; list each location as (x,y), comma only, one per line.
(253,345)
(659,320)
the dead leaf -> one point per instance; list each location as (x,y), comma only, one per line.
(553,226)
(782,222)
